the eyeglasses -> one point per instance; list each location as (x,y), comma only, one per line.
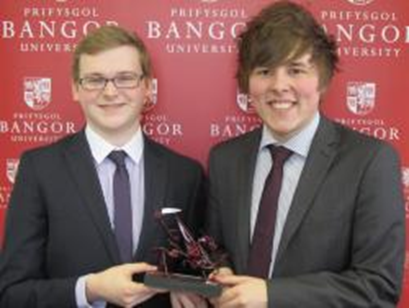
(121,81)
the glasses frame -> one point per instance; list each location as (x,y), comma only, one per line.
(114,80)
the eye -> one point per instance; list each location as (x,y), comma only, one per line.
(296,71)
(262,71)
(125,78)
(127,81)
(94,80)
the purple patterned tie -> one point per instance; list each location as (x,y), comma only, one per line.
(262,243)
(122,205)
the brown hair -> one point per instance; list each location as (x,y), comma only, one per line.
(282,32)
(108,37)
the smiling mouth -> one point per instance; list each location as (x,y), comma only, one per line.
(281,104)
(111,106)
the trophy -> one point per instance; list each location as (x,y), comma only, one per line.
(185,265)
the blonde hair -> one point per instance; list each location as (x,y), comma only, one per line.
(108,37)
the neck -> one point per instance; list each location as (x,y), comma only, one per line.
(118,138)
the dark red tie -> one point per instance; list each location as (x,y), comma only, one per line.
(122,206)
(263,235)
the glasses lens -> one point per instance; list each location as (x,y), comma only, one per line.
(121,81)
(93,83)
(124,81)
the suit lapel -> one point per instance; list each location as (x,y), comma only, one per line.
(80,163)
(245,169)
(319,160)
(155,183)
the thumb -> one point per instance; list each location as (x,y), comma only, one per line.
(230,280)
(140,267)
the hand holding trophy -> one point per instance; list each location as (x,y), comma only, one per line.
(186,263)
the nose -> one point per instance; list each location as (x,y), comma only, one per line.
(279,80)
(110,88)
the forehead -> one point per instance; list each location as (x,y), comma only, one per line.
(303,60)
(123,58)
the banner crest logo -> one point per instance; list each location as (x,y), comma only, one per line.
(361,97)
(11,169)
(153,100)
(37,92)
(244,104)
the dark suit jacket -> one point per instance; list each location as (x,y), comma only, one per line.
(343,242)
(57,226)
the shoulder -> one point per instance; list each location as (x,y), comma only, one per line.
(233,153)
(362,145)
(247,140)
(170,156)
(52,150)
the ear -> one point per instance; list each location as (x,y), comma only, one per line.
(322,90)
(148,99)
(250,99)
(74,90)
(149,86)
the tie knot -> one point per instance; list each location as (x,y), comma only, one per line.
(279,153)
(118,157)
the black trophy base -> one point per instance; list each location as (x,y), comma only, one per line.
(183,283)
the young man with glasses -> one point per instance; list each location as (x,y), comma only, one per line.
(80,226)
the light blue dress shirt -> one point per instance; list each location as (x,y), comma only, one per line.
(100,149)
(300,145)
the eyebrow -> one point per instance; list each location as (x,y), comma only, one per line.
(300,63)
(93,75)
(98,74)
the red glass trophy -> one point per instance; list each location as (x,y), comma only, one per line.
(186,263)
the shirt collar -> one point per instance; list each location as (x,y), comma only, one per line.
(300,143)
(100,148)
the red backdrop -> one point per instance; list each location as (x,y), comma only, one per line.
(193,49)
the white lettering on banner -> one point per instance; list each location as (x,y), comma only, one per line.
(49,47)
(242,119)
(190,30)
(369,52)
(207,13)
(162,140)
(358,15)
(34,138)
(198,30)
(234,125)
(155,117)
(357,122)
(60,12)
(163,129)
(200,48)
(384,133)
(41,127)
(68,29)
(37,116)
(230,130)
(368,33)
(373,127)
